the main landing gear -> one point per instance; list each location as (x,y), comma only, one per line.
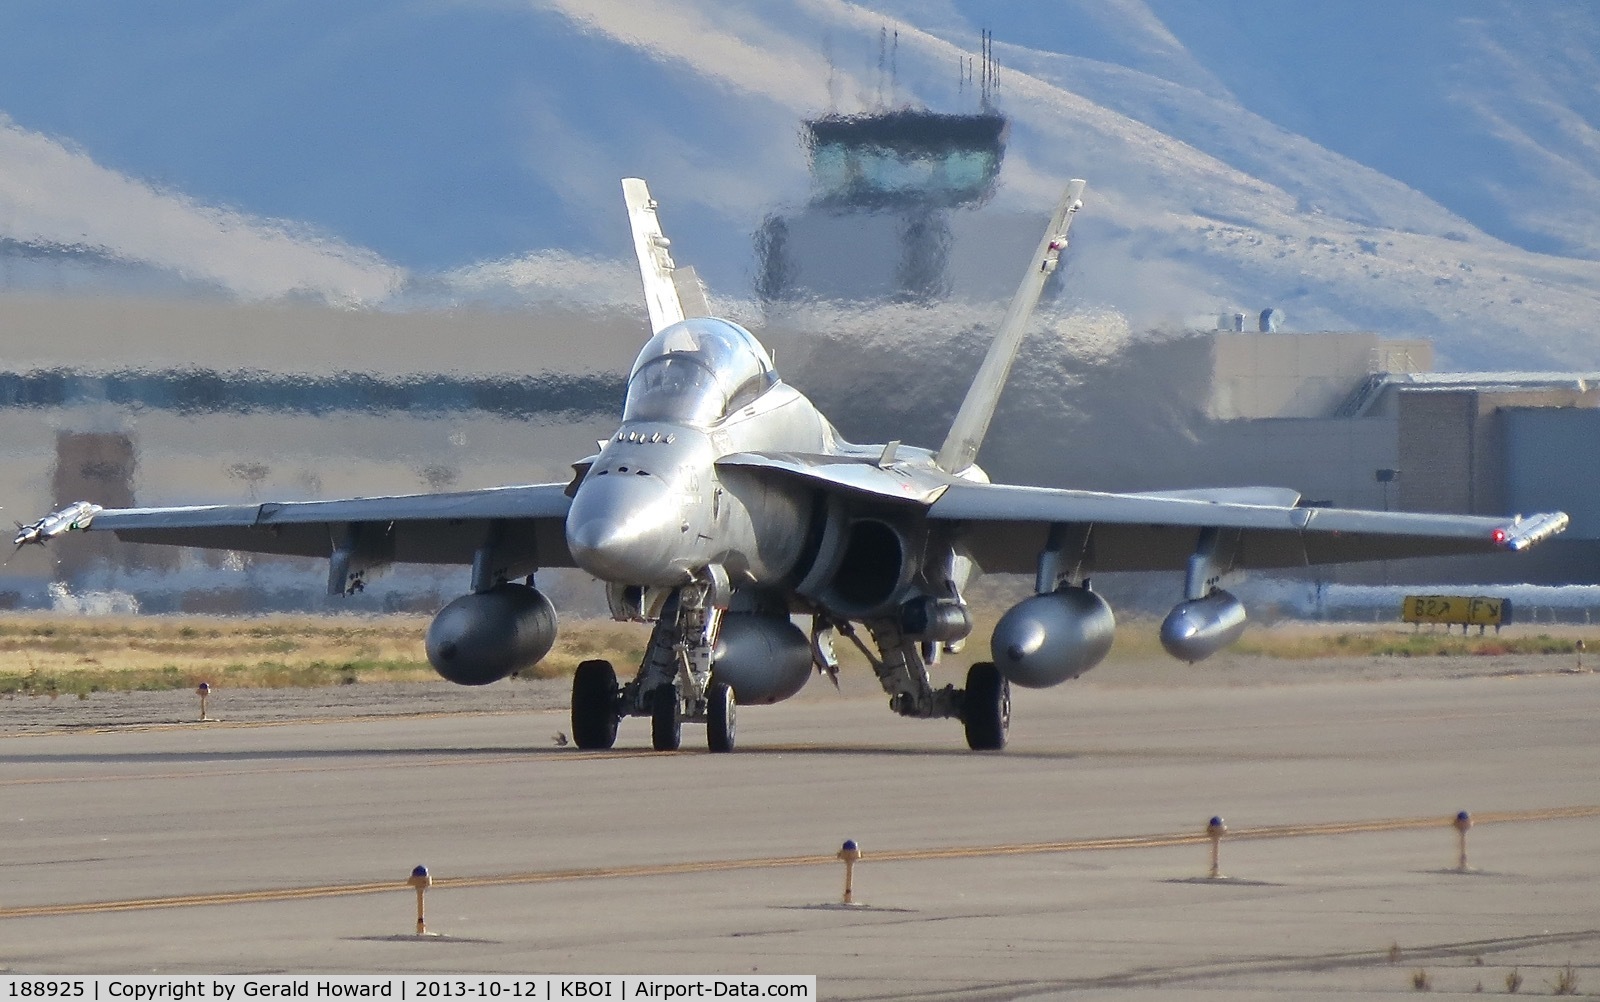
(986,707)
(901,664)
(674,686)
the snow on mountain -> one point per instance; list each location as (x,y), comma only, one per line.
(1428,168)
(52,196)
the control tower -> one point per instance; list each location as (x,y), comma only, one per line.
(905,159)
(885,188)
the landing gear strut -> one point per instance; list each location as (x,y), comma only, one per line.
(674,680)
(983,707)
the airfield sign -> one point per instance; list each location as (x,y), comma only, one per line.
(1475,610)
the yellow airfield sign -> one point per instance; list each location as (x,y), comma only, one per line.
(1466,610)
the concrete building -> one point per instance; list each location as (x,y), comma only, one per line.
(137,401)
(1398,436)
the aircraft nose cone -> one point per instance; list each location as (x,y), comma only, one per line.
(623,528)
(613,549)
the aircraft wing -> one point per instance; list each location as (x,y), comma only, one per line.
(520,528)
(1004,528)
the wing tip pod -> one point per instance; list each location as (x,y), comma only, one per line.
(1526,532)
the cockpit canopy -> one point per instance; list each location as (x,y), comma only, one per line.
(697,372)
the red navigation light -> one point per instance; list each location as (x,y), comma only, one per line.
(1499,536)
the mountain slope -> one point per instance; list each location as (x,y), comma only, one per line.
(1428,168)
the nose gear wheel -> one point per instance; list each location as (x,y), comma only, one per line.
(594,705)
(666,720)
(720,712)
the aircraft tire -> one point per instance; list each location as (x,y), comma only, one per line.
(594,705)
(986,707)
(721,710)
(666,723)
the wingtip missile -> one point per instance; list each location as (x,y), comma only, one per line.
(76,515)
(1525,532)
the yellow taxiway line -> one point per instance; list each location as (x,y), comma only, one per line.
(760,863)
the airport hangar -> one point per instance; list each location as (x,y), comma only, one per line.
(139,401)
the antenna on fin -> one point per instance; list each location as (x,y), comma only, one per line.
(972,421)
(661,294)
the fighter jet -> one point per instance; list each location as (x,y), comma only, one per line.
(726,506)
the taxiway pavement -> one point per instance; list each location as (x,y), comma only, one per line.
(1068,866)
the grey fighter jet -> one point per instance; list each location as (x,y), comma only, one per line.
(725,506)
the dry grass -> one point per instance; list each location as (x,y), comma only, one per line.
(1303,641)
(1566,982)
(1138,640)
(42,654)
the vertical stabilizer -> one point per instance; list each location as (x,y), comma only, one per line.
(655,260)
(960,447)
(692,300)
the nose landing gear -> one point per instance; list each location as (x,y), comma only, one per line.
(720,711)
(595,713)
(673,684)
(666,719)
